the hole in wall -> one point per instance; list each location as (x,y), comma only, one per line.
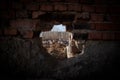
(61,44)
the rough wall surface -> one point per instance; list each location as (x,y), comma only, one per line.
(21,52)
(27,17)
(27,59)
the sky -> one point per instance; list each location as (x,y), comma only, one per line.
(59,28)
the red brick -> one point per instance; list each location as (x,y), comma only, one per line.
(60,7)
(10,32)
(72,1)
(27,34)
(100,8)
(95,35)
(0,32)
(114,27)
(100,1)
(74,7)
(113,2)
(26,1)
(117,35)
(92,26)
(3,5)
(36,14)
(97,17)
(46,7)
(55,0)
(114,9)
(7,14)
(16,6)
(108,36)
(11,14)
(115,18)
(107,26)
(24,24)
(84,16)
(88,8)
(87,1)
(103,35)
(101,26)
(4,14)
(22,14)
(32,7)
(40,0)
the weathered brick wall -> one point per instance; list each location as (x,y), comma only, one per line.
(27,58)
(23,17)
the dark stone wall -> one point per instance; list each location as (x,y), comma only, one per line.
(27,59)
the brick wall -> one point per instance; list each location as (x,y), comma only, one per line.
(25,18)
